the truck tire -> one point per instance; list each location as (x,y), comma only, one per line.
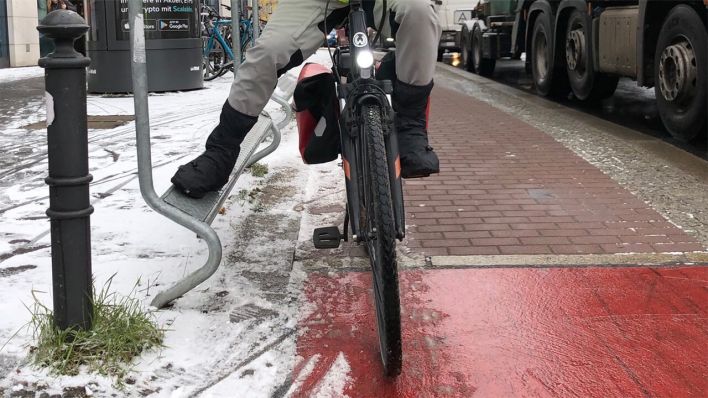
(587,85)
(483,66)
(548,80)
(680,73)
(466,52)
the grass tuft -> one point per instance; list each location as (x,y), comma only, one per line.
(259,170)
(122,329)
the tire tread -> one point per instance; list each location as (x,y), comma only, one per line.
(383,212)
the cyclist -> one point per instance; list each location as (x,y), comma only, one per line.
(295,32)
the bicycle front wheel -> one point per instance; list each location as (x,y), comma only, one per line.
(381,241)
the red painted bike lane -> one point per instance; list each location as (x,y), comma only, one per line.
(506,332)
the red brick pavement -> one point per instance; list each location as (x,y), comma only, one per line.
(508,188)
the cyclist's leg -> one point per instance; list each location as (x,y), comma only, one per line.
(417,30)
(417,37)
(292,35)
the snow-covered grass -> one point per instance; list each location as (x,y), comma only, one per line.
(206,353)
(122,329)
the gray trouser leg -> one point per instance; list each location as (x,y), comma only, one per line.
(417,40)
(292,35)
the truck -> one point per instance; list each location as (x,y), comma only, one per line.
(583,47)
(452,13)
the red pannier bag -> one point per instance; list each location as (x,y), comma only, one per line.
(317,114)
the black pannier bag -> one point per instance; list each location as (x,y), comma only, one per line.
(317,114)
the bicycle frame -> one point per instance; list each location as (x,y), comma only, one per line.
(215,34)
(365,89)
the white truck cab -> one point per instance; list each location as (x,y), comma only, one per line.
(452,14)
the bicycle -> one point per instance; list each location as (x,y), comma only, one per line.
(218,56)
(371,163)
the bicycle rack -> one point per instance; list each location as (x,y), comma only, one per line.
(195,215)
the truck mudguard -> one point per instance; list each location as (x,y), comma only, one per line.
(580,5)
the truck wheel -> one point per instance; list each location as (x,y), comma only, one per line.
(547,79)
(483,66)
(466,58)
(680,70)
(584,81)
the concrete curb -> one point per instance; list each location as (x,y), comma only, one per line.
(548,261)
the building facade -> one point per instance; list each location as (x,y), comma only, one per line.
(21,44)
(19,39)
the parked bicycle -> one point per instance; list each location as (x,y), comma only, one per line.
(359,110)
(218,56)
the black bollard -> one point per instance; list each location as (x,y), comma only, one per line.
(67,137)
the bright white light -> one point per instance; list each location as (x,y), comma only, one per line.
(365,59)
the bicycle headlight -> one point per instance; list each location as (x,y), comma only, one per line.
(365,59)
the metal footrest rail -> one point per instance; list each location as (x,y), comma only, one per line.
(193,214)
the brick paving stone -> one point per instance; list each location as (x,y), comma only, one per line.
(677,247)
(628,248)
(514,233)
(465,235)
(565,232)
(549,240)
(508,188)
(526,249)
(473,251)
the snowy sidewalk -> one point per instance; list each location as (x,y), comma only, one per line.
(236,332)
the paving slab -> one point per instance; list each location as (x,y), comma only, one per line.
(508,188)
(603,332)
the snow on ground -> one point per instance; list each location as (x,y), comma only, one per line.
(13,74)
(207,354)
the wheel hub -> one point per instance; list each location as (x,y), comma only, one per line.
(677,72)
(574,49)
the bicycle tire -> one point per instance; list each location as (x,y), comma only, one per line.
(381,242)
(213,62)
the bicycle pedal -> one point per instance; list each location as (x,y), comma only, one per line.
(327,237)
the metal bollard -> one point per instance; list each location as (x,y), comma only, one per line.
(256,21)
(69,204)
(236,32)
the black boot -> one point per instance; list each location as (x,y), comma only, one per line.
(417,157)
(211,170)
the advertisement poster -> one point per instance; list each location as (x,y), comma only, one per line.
(164,19)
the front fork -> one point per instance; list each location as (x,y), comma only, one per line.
(352,147)
(394,176)
(352,179)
